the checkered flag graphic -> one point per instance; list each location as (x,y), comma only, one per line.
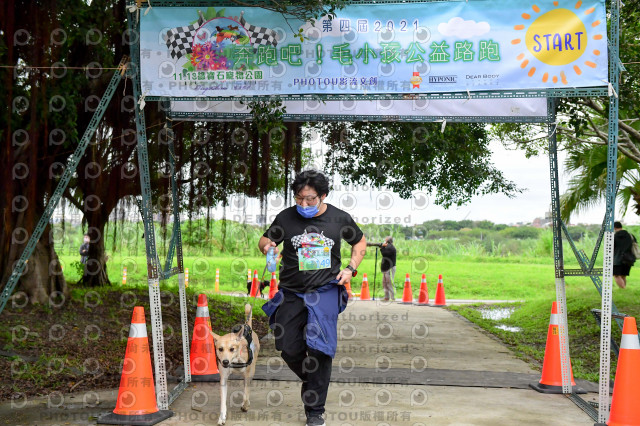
(298,240)
(180,40)
(260,36)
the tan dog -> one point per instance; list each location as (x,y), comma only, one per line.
(235,355)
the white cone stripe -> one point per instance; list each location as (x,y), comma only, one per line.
(630,341)
(202,311)
(138,330)
(554,320)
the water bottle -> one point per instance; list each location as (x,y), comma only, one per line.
(271,259)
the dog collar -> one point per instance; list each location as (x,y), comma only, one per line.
(247,334)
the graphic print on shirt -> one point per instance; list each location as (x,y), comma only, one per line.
(314,251)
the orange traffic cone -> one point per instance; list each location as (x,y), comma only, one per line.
(136,403)
(273,286)
(407,295)
(204,367)
(440,299)
(364,291)
(423,298)
(347,285)
(624,403)
(254,284)
(551,381)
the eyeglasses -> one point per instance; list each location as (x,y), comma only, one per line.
(308,199)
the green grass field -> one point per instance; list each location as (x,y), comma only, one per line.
(470,278)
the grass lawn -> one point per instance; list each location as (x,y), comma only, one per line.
(532,317)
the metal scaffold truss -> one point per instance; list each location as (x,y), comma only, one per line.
(497,94)
(602,278)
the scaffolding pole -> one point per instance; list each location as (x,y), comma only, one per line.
(612,160)
(154,269)
(558,256)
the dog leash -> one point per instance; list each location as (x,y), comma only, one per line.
(263,272)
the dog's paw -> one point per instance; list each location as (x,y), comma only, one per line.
(245,406)
(221,421)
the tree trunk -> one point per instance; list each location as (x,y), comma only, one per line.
(44,279)
(42,276)
(95,270)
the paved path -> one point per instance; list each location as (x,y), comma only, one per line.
(396,365)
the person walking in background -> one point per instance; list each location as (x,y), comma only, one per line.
(623,257)
(84,250)
(304,312)
(388,268)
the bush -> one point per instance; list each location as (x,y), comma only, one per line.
(521,233)
(78,267)
(577,232)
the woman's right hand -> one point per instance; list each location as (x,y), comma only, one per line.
(265,248)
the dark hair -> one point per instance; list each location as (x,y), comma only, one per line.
(617,225)
(313,178)
(390,240)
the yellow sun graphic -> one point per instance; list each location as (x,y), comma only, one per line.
(556,39)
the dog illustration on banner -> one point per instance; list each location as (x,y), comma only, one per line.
(219,43)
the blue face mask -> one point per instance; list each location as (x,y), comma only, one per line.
(309,211)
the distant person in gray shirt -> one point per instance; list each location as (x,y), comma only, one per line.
(84,250)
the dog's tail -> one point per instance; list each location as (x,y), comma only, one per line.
(247,314)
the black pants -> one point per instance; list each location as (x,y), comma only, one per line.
(313,367)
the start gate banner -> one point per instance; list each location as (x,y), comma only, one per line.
(385,48)
(375,110)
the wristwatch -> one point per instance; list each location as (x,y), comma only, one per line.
(353,270)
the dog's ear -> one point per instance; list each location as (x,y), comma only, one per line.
(215,336)
(240,333)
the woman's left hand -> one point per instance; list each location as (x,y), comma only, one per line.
(344,276)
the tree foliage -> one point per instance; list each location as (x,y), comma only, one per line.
(45,114)
(588,185)
(454,165)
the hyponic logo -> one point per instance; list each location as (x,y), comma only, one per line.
(443,79)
